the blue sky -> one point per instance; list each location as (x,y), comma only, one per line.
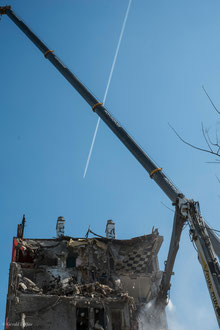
(169,50)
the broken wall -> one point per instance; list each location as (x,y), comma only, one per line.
(95,283)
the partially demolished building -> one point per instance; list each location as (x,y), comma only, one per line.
(81,283)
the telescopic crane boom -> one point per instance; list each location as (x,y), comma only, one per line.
(207,243)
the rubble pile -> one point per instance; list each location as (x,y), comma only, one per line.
(69,287)
(92,290)
(27,286)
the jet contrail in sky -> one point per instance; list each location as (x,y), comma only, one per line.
(108,84)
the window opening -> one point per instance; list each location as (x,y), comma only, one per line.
(99,319)
(25,256)
(82,319)
(71,260)
(117,320)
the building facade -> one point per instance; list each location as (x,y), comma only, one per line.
(82,283)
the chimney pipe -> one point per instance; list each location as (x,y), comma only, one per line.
(110,229)
(60,227)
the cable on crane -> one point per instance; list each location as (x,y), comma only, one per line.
(192,239)
(95,105)
(48,52)
(155,171)
(217,231)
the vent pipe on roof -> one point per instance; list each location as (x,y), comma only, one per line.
(60,227)
(110,229)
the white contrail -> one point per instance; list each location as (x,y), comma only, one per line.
(91,148)
(108,84)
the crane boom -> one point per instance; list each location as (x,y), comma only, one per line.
(165,184)
(208,245)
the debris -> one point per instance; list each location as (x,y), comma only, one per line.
(26,285)
(103,278)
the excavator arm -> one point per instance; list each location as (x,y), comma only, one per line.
(178,223)
(206,254)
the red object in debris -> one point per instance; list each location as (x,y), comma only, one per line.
(15,243)
(6,324)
